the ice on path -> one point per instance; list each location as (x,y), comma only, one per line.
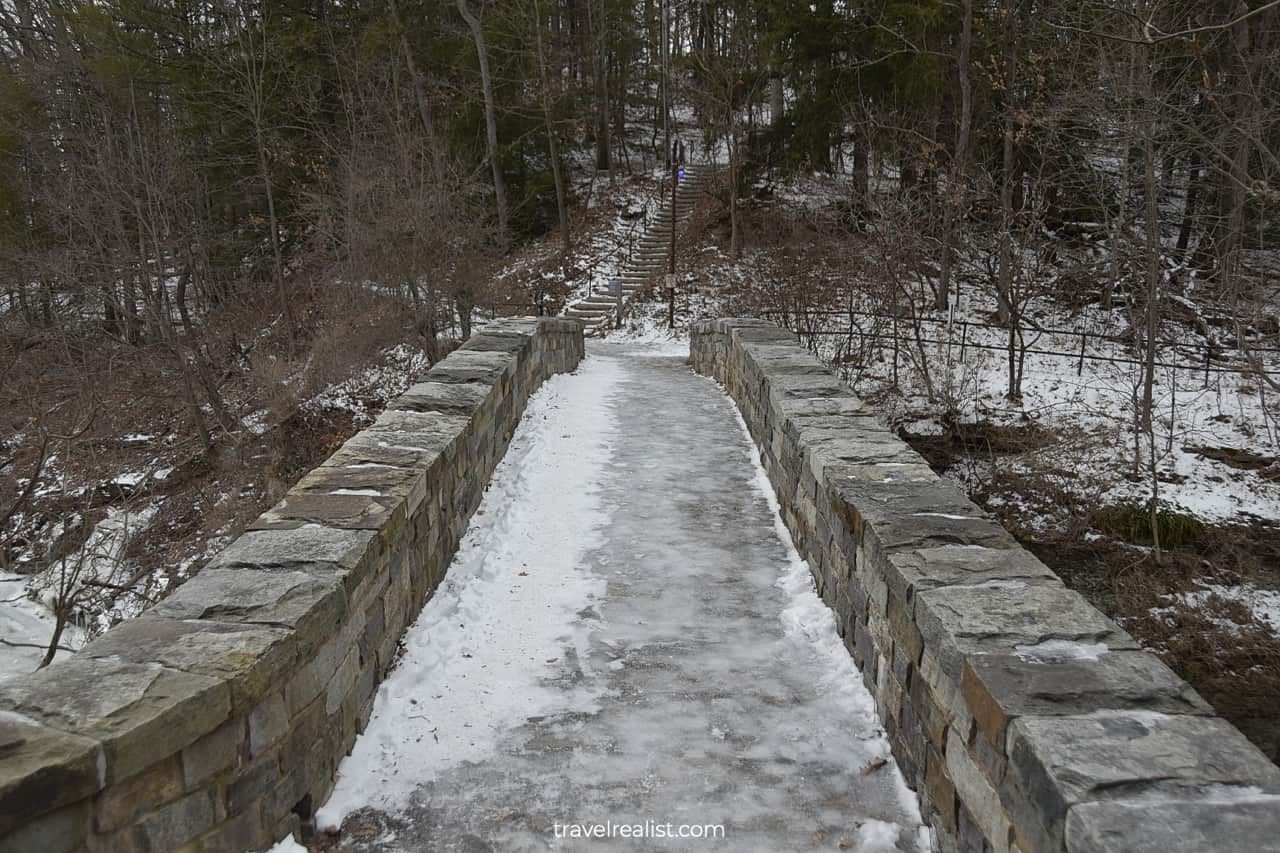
(627,635)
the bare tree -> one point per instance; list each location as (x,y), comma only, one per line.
(475,25)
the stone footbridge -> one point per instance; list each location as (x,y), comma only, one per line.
(556,600)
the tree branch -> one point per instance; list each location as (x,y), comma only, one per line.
(1154,35)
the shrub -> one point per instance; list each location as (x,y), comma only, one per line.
(1132,523)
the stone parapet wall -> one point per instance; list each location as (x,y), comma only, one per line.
(1024,718)
(216,720)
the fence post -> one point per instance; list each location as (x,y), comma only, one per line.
(1080,365)
(1208,357)
(895,350)
(964,338)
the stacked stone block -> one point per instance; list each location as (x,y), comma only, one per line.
(1024,719)
(216,720)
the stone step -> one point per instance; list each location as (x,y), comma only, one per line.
(651,254)
(604,302)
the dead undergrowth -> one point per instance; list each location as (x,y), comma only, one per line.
(122,438)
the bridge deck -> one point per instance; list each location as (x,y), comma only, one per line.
(627,635)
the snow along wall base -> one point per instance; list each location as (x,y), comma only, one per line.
(1024,718)
(215,721)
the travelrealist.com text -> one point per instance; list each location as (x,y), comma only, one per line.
(645,829)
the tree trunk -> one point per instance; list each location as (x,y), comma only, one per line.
(198,357)
(1194,180)
(600,79)
(553,143)
(1004,284)
(274,224)
(462,302)
(490,122)
(419,94)
(959,176)
(1155,251)
(861,170)
(59,626)
(776,100)
(735,230)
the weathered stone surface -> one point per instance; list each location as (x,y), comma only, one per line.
(998,615)
(120,804)
(59,831)
(809,385)
(880,472)
(381,448)
(240,831)
(268,723)
(508,344)
(912,571)
(978,795)
(441,424)
(1001,687)
(799,409)
(308,548)
(906,511)
(311,604)
(139,712)
(42,768)
(441,397)
(788,360)
(1057,762)
(1239,822)
(381,481)
(351,511)
(828,450)
(472,366)
(251,783)
(249,659)
(174,824)
(216,752)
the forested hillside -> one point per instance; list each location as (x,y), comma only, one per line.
(1040,234)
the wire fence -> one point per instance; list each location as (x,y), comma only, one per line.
(1029,326)
(1205,365)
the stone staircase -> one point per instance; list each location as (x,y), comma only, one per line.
(649,260)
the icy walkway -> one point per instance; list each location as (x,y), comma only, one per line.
(626,636)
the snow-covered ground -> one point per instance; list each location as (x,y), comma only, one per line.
(26,627)
(1264,604)
(367,392)
(1091,415)
(26,601)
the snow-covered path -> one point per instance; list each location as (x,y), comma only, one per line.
(628,636)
